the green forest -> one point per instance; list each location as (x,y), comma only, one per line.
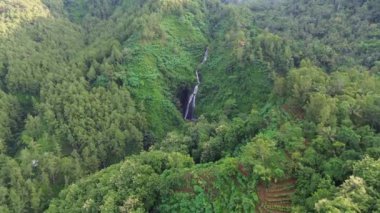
(135,106)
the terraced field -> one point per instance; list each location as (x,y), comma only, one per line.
(277,197)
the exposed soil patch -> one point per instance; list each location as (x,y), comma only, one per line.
(277,197)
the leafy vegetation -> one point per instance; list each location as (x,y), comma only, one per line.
(92,96)
(333,34)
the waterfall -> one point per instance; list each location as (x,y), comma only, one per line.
(189,113)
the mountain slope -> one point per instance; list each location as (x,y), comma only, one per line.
(87,86)
(95,81)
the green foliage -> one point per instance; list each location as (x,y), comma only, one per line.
(31,179)
(85,84)
(10,115)
(210,141)
(333,34)
(351,197)
(93,123)
(223,186)
(261,154)
(331,111)
(13,13)
(368,169)
(304,81)
(132,185)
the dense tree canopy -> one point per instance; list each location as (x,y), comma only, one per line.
(93,92)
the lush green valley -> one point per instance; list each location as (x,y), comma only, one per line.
(285,106)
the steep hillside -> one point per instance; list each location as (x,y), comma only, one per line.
(94,95)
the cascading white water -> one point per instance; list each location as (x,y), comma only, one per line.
(191,103)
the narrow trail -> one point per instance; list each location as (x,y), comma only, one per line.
(189,113)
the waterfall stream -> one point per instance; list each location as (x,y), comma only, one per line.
(189,113)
